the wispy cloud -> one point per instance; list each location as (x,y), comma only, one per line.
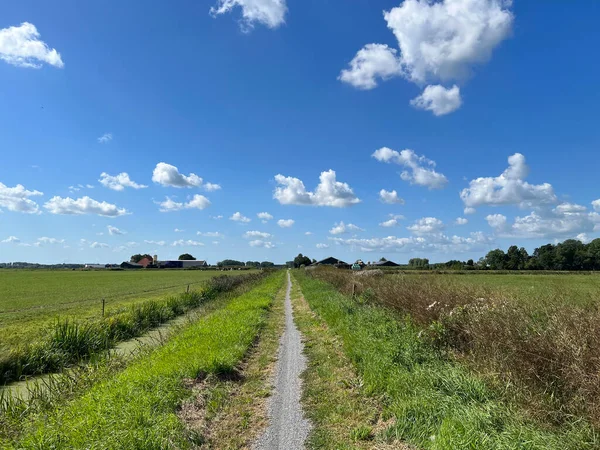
(105,138)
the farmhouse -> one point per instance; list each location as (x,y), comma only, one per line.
(145,262)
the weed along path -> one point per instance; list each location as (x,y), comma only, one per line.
(288,428)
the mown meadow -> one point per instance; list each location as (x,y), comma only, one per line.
(32,300)
(53,337)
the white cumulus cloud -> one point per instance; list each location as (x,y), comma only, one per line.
(392,222)
(438,99)
(563,221)
(21,46)
(114,231)
(596,205)
(425,226)
(509,188)
(372,62)
(264,216)
(435,243)
(270,13)
(81,206)
(169,175)
(390,197)
(461,221)
(583,238)
(437,41)
(285,223)
(211,187)
(257,234)
(119,182)
(159,243)
(17,199)
(239,217)
(49,240)
(105,138)
(197,202)
(214,234)
(497,221)
(11,240)
(99,245)
(443,40)
(188,243)
(329,192)
(341,228)
(389,223)
(322,246)
(262,244)
(421,171)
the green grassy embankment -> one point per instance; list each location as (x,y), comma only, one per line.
(137,408)
(69,342)
(32,300)
(428,399)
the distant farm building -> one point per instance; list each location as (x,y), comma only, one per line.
(145,262)
(177,264)
(331,261)
(385,264)
(130,265)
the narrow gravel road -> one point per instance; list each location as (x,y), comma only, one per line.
(288,428)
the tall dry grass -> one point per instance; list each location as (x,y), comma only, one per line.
(544,353)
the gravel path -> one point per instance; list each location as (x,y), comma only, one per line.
(288,428)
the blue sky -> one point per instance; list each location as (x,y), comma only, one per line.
(479,114)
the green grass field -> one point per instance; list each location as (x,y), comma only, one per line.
(137,408)
(31,300)
(569,288)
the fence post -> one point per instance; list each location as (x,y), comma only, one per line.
(353,288)
(188,289)
(103,303)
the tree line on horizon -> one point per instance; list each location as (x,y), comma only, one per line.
(571,254)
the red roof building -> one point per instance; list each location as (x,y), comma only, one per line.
(144,262)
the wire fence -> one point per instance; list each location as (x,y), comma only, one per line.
(99,299)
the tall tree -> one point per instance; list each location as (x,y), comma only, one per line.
(186,257)
(496,259)
(301,260)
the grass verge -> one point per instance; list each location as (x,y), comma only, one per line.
(137,408)
(69,342)
(232,413)
(430,401)
(342,416)
(539,347)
